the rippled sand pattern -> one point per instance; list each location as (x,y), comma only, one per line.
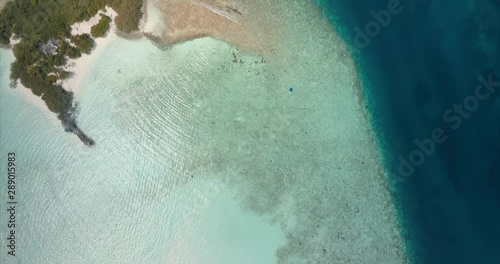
(307,160)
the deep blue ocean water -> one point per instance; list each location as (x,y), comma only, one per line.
(432,85)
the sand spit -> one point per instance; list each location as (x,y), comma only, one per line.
(236,22)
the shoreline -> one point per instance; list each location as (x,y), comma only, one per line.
(27,95)
(78,67)
(37,101)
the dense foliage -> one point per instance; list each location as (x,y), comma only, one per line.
(83,42)
(48,18)
(101,28)
(36,75)
(38,23)
(129,14)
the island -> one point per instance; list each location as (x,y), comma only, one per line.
(39,33)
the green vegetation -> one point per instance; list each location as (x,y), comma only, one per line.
(32,67)
(46,41)
(83,42)
(129,14)
(100,29)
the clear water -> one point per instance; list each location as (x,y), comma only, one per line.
(122,201)
(200,159)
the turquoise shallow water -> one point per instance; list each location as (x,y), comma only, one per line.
(122,201)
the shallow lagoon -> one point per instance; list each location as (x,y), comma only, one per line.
(200,159)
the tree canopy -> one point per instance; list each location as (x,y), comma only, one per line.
(38,21)
(101,28)
(83,42)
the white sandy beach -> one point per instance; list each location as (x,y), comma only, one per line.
(81,65)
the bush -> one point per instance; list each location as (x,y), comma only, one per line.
(129,14)
(83,42)
(73,53)
(5,28)
(101,28)
(55,98)
(56,59)
(52,79)
(62,74)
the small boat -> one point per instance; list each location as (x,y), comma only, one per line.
(290,89)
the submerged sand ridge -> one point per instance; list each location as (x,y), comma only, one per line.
(306,161)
